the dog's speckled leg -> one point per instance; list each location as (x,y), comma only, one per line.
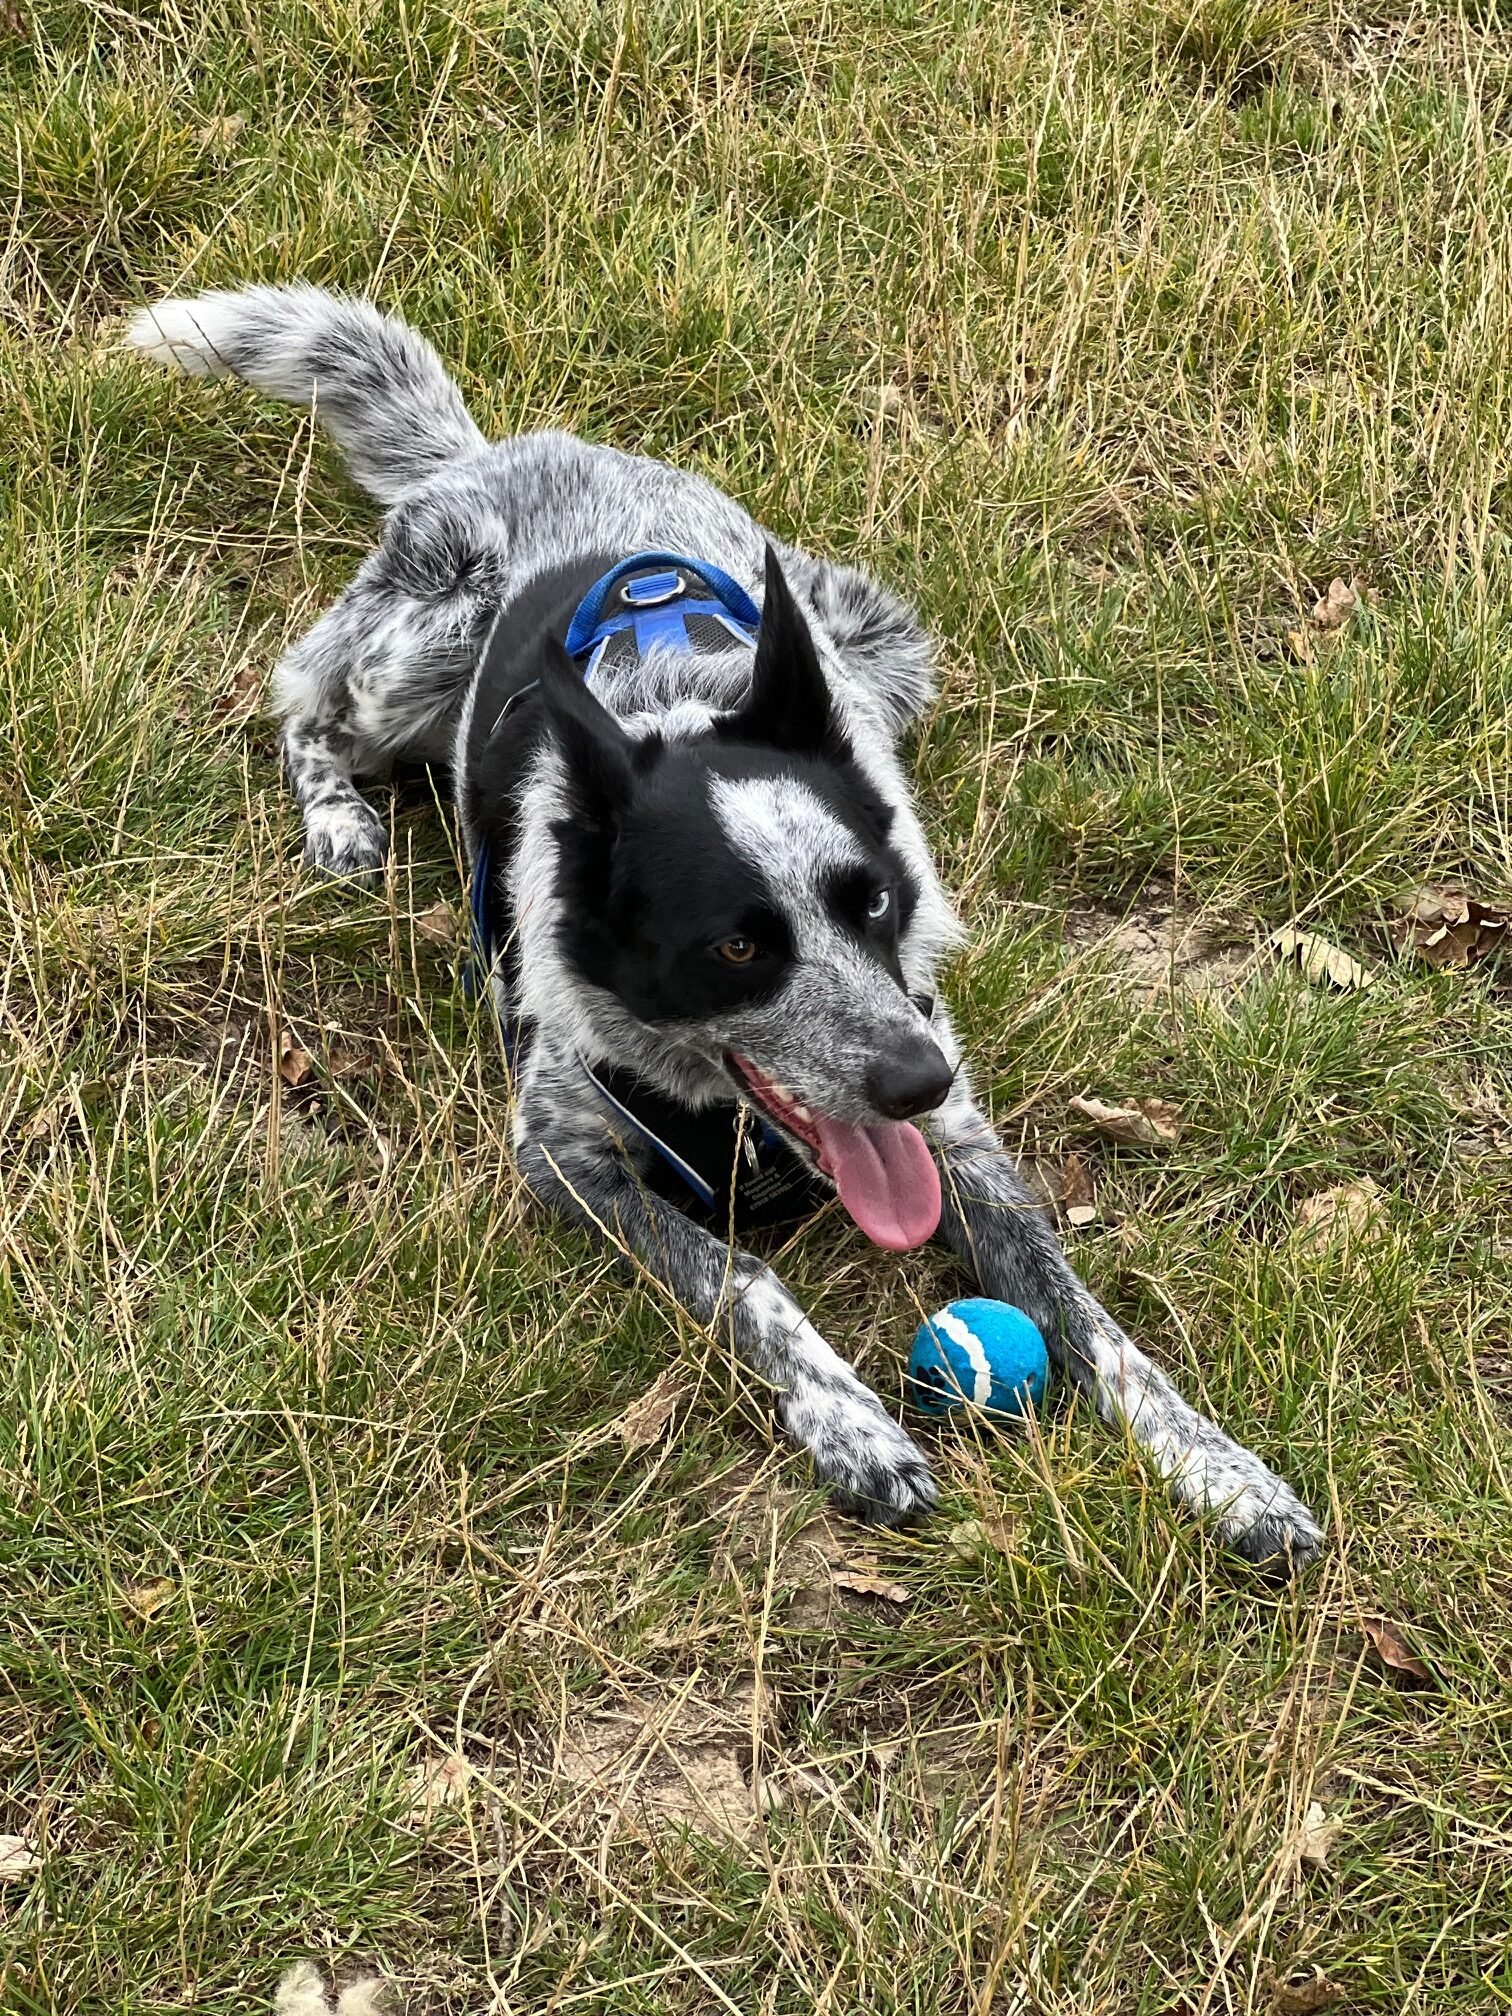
(874,1469)
(996,1226)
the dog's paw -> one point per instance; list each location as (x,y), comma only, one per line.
(1269,1525)
(875,1472)
(345,839)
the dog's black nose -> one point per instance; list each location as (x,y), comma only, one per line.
(910,1080)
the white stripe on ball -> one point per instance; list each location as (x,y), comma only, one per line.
(971,1344)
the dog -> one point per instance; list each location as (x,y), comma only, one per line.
(703,894)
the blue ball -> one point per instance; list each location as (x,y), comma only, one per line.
(984,1353)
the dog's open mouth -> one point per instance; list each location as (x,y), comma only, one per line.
(884,1173)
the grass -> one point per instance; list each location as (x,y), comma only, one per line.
(1112,331)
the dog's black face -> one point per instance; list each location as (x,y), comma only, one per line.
(738,894)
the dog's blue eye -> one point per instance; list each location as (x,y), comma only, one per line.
(879,906)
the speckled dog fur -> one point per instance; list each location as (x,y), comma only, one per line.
(389,672)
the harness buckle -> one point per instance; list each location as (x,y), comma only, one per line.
(649,591)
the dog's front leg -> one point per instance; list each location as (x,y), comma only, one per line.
(874,1469)
(996,1226)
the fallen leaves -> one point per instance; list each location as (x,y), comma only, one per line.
(1449,927)
(1339,601)
(1145,1123)
(216,136)
(17,1858)
(1078,1199)
(1347,1214)
(1321,963)
(976,1539)
(147,1597)
(435,1783)
(863,1581)
(437,925)
(295,1065)
(1333,609)
(809,1562)
(1391,1648)
(1314,1840)
(1301,1996)
(645,1420)
(244,693)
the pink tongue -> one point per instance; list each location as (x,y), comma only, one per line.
(887,1179)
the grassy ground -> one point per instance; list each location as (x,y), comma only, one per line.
(1112,330)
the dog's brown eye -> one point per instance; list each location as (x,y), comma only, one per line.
(738,951)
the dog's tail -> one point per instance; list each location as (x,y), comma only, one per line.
(380,388)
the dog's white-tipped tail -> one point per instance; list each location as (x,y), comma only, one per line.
(380,388)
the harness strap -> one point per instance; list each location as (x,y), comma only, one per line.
(683,1170)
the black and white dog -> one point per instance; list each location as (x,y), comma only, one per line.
(709,910)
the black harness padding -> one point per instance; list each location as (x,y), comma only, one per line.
(721,1163)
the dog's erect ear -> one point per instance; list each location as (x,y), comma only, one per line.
(597,751)
(789,705)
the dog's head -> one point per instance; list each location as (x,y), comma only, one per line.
(738,894)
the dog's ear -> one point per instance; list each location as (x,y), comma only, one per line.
(598,753)
(789,705)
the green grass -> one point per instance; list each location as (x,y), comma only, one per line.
(1111,331)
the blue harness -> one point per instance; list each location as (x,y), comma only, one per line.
(665,600)
(653,595)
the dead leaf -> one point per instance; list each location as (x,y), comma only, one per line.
(645,1420)
(861,1582)
(435,1783)
(1336,604)
(1314,1840)
(295,1065)
(977,1538)
(14,26)
(245,691)
(1449,927)
(1145,1123)
(1392,1649)
(1301,645)
(17,1858)
(1294,1997)
(1321,963)
(148,1597)
(216,135)
(1347,1214)
(1077,1197)
(438,924)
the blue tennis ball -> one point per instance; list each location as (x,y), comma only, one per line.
(986,1353)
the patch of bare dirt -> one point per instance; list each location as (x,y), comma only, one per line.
(762,1523)
(820,1566)
(1161,946)
(676,1755)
